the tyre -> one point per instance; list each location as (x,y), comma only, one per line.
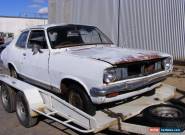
(13,72)
(8,98)
(165,115)
(23,111)
(78,98)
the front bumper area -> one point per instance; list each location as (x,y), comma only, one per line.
(129,85)
(102,100)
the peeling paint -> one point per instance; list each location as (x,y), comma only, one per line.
(141,57)
(116,55)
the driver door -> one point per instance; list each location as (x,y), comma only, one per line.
(35,65)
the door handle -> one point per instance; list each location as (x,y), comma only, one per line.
(24,54)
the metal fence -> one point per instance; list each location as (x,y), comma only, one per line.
(145,24)
(154,25)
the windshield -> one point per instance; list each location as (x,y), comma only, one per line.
(75,35)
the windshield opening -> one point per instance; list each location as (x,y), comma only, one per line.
(76,35)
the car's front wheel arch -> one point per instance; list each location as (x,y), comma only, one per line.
(71,89)
(68,81)
(10,65)
(13,71)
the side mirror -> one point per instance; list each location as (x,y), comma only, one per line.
(36,48)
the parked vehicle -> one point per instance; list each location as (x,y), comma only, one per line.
(83,65)
(3,46)
(1,40)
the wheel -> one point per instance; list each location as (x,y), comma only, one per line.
(8,98)
(165,115)
(78,98)
(13,72)
(23,111)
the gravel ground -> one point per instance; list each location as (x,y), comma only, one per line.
(178,80)
(9,124)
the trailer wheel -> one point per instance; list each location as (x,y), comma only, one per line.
(165,115)
(78,98)
(8,98)
(23,111)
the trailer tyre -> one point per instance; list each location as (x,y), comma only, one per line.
(8,98)
(23,111)
(165,115)
(78,98)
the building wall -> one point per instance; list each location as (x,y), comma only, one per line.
(145,24)
(15,24)
(154,25)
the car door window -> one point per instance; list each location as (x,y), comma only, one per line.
(38,37)
(21,42)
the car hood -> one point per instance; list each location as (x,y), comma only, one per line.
(117,55)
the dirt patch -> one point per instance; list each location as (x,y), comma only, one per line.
(177,79)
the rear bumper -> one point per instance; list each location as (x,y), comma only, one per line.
(129,85)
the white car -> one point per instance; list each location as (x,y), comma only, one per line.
(82,65)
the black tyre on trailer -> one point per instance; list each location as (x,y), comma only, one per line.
(23,111)
(8,98)
(165,115)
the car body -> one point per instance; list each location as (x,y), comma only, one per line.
(106,72)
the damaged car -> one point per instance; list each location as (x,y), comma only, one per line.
(82,65)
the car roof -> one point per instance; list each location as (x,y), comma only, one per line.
(48,26)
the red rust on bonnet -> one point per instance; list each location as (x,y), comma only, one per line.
(141,57)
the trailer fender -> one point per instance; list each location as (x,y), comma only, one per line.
(34,100)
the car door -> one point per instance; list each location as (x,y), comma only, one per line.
(36,64)
(17,53)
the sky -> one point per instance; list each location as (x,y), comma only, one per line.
(30,8)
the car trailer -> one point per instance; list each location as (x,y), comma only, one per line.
(32,101)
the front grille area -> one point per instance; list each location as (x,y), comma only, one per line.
(139,69)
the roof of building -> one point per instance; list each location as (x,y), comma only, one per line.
(41,18)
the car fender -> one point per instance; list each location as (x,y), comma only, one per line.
(14,66)
(78,80)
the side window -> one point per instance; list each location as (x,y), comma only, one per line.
(37,37)
(21,42)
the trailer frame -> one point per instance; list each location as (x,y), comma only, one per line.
(42,102)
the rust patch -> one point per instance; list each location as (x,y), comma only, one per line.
(113,55)
(141,57)
(34,114)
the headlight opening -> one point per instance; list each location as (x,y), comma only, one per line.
(167,63)
(112,75)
